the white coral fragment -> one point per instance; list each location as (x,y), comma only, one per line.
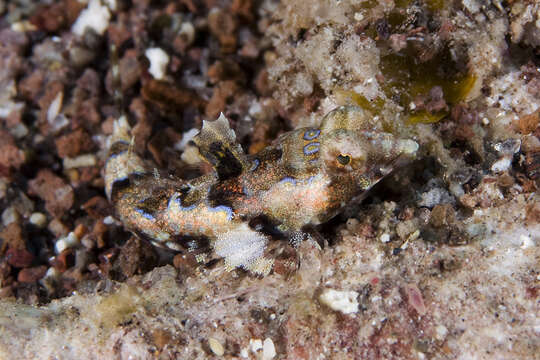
(159,60)
(96,17)
(54,107)
(269,350)
(501,165)
(344,301)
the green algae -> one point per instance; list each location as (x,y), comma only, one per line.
(407,78)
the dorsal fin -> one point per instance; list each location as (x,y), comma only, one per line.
(217,144)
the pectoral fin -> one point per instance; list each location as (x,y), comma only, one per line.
(217,144)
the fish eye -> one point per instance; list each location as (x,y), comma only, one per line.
(343,159)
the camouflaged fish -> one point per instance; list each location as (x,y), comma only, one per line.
(304,179)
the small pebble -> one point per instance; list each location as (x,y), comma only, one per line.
(501,165)
(38,219)
(52,273)
(187,30)
(216,347)
(343,301)
(80,161)
(96,17)
(30,275)
(255,345)
(269,350)
(3,188)
(9,215)
(88,242)
(54,107)
(19,131)
(57,228)
(109,220)
(526,241)
(385,238)
(80,231)
(19,258)
(66,242)
(158,62)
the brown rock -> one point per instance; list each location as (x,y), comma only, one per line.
(185,263)
(223,25)
(80,231)
(58,228)
(13,41)
(442,215)
(97,207)
(222,93)
(58,195)
(89,173)
(30,86)
(14,118)
(86,112)
(169,97)
(19,258)
(98,232)
(107,126)
(64,260)
(10,155)
(12,236)
(243,8)
(73,9)
(74,143)
(88,85)
(118,31)
(50,18)
(528,123)
(30,275)
(136,256)
(130,69)
(261,83)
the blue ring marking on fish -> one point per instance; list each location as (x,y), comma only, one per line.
(145,214)
(255,164)
(312,148)
(293,181)
(178,202)
(221,208)
(123,178)
(112,156)
(288,180)
(311,134)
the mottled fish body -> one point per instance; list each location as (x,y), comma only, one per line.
(304,179)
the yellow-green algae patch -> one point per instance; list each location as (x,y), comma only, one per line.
(117,308)
(346,97)
(405,78)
